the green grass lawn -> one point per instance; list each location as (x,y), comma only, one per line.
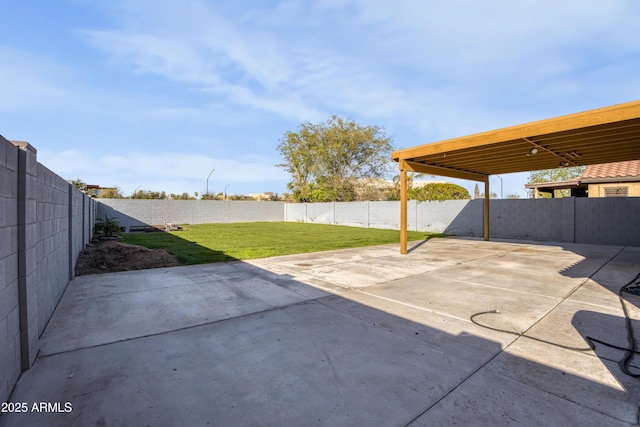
(202,243)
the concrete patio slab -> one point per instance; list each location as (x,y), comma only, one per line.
(440,332)
(345,338)
(305,363)
(593,382)
(102,309)
(573,323)
(490,398)
(461,300)
(539,282)
(622,269)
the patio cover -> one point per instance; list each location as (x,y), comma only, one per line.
(604,135)
(574,185)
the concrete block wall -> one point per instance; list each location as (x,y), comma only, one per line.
(567,219)
(610,221)
(528,219)
(54,266)
(354,214)
(140,212)
(323,213)
(27,253)
(10,357)
(44,224)
(431,216)
(83,218)
(459,217)
(385,215)
(295,212)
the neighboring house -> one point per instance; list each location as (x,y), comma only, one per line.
(99,192)
(267,195)
(419,183)
(388,184)
(621,179)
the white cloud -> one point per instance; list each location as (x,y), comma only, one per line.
(148,53)
(244,64)
(367,58)
(232,77)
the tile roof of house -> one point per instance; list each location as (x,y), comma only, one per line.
(601,173)
(612,170)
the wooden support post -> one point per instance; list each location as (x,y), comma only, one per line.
(486,208)
(403,211)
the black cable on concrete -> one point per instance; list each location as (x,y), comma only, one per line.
(624,363)
(522,334)
(631,350)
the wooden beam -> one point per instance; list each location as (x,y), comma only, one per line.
(486,209)
(403,211)
(562,158)
(533,130)
(436,170)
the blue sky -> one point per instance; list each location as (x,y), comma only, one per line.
(156,94)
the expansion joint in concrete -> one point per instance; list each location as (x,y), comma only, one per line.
(185,328)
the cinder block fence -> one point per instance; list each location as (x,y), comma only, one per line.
(44,224)
(606,221)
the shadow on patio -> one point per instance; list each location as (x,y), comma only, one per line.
(351,337)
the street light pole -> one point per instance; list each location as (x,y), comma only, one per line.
(207,192)
(225,191)
(134,191)
(501,195)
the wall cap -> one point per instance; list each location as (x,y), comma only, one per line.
(24,145)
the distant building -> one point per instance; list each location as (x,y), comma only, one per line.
(97,191)
(267,195)
(385,183)
(418,183)
(620,179)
